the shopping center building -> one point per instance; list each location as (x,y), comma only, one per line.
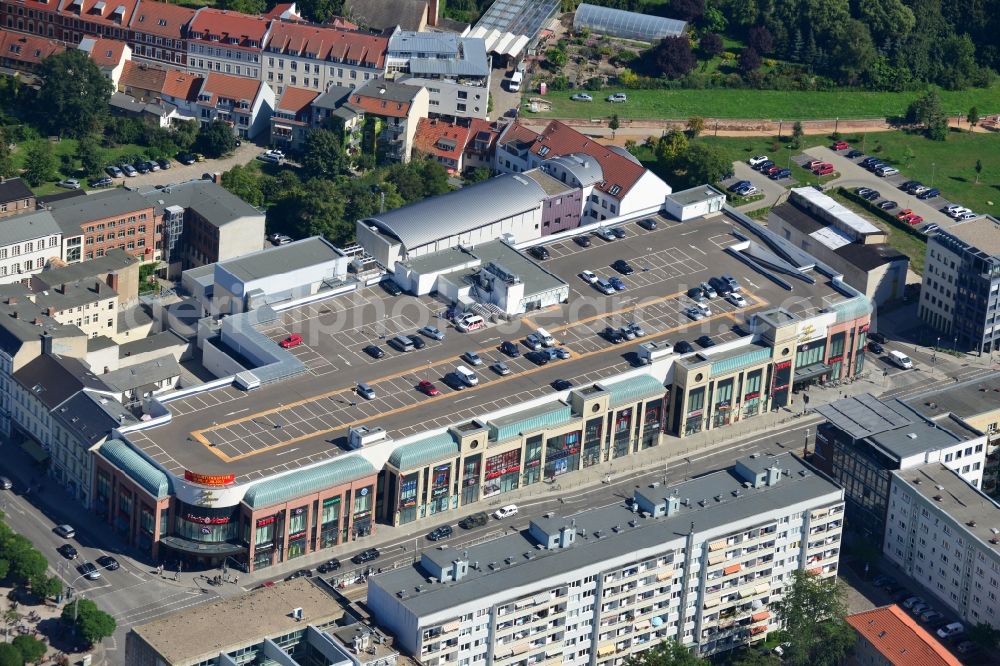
(281,457)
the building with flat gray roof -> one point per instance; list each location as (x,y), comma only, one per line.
(694,202)
(492,275)
(607,583)
(202,223)
(958,297)
(945,534)
(865,439)
(975,403)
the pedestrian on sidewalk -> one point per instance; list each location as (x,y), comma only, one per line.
(236,580)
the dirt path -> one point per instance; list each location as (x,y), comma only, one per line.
(638,130)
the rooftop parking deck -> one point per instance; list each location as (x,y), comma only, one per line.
(305,419)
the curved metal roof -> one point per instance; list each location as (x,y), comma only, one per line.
(138,468)
(586,168)
(304,482)
(427,450)
(459,211)
(629,25)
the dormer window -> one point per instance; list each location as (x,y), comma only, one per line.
(615,189)
(543,151)
(162,22)
(141,18)
(97,9)
(233,40)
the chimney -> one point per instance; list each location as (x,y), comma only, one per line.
(106,370)
(432,12)
(50,311)
(12,301)
(97,287)
(62,288)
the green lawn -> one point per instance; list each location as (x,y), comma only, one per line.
(764,104)
(948,165)
(65,148)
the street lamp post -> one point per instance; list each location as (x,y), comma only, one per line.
(933,172)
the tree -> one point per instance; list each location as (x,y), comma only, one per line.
(711,44)
(315,209)
(797,134)
(973,117)
(91,623)
(979,170)
(246,6)
(39,163)
(185,133)
(927,111)
(320,11)
(886,18)
(7,168)
(73,98)
(714,20)
(323,155)
(31,648)
(695,126)
(760,40)
(749,60)
(477,175)
(705,164)
(91,156)
(671,57)
(613,124)
(753,657)
(10,655)
(667,653)
(45,587)
(671,146)
(556,58)
(813,612)
(984,636)
(687,10)
(216,139)
(244,182)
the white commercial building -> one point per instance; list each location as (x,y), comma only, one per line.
(699,563)
(945,534)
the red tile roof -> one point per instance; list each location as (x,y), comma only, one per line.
(328,43)
(27,49)
(561,139)
(277,11)
(478,125)
(100,11)
(161,18)
(436,137)
(899,639)
(296,100)
(107,52)
(342,23)
(158,81)
(228,25)
(395,104)
(229,87)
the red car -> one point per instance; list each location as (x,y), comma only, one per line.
(914,220)
(814,164)
(428,388)
(823,170)
(841,145)
(293,340)
(772,170)
(903,214)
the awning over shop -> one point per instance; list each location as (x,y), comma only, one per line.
(35,450)
(810,371)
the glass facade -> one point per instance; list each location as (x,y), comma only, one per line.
(329,521)
(695,411)
(623,425)
(440,488)
(533,460)
(470,478)
(652,423)
(408,498)
(592,441)
(562,454)
(503,471)
(199,523)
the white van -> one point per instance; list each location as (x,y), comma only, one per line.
(515,81)
(471,323)
(901,359)
(467,376)
(505,512)
(543,335)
